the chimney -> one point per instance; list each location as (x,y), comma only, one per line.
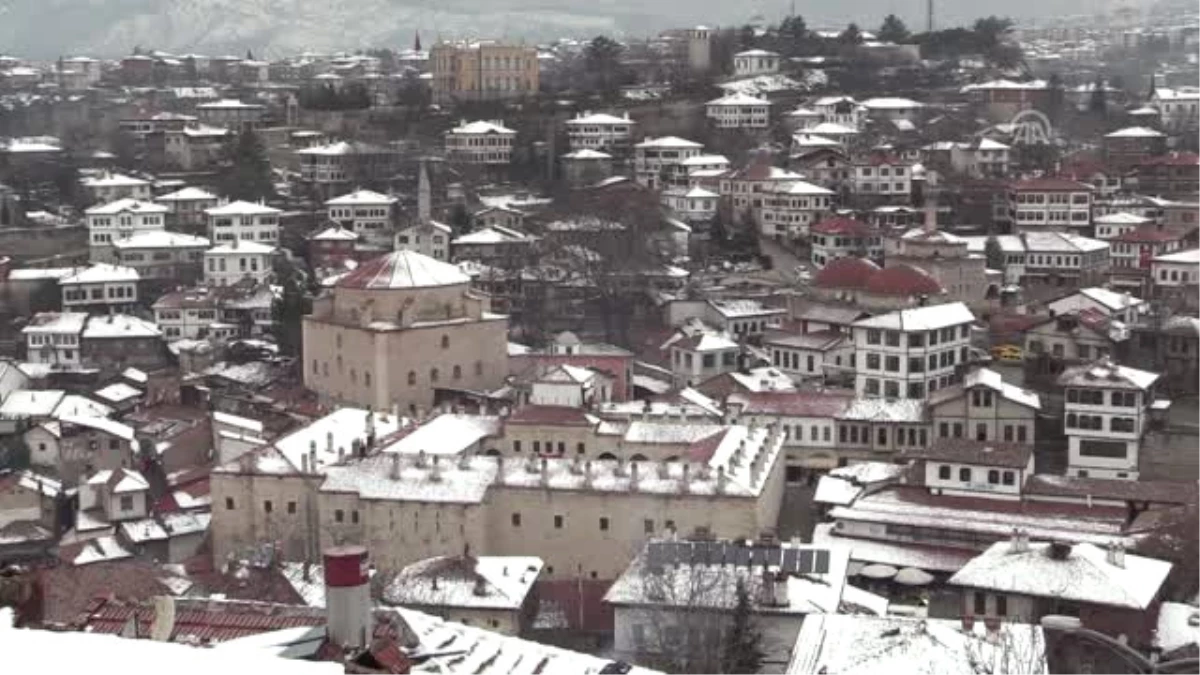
(395,474)
(480,589)
(329,442)
(687,475)
(422,460)
(1116,554)
(347,596)
(722,479)
(435,471)
(464,461)
(930,211)
(303,463)
(164,618)
(663,470)
(1059,550)
(633,474)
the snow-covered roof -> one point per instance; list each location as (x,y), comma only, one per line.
(359,197)
(832,129)
(1120,218)
(931,317)
(229,104)
(80,406)
(56,322)
(756,52)
(853,644)
(242,208)
(187,194)
(104,424)
(447,434)
(241,246)
(1108,375)
(700,193)
(485,582)
(891,103)
(118,392)
(113,180)
(884,410)
(1189,257)
(143,531)
(1085,575)
(482,127)
(1177,626)
(161,239)
(120,326)
(1136,132)
(990,144)
(336,430)
(804,139)
(1053,242)
(587,153)
(1110,299)
(23,403)
(835,490)
(668,142)
(403,269)
(40,273)
(799,187)
(100,273)
(101,549)
(599,118)
(36,482)
(490,235)
(127,205)
(738,99)
(81,651)
(991,379)
(335,233)
(762,379)
(705,160)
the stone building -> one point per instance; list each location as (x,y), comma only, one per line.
(398,328)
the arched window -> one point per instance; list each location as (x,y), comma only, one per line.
(339,340)
(458,372)
(607,457)
(412,377)
(638,458)
(353,376)
(367,378)
(340,366)
(433,374)
(445,342)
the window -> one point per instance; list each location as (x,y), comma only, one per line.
(981,432)
(944,472)
(268,506)
(993,477)
(1008,477)
(126,502)
(516,446)
(1001,605)
(291,507)
(603,524)
(882,436)
(872,361)
(964,474)
(516,520)
(891,389)
(892,364)
(1021,434)
(457,372)
(339,516)
(229,503)
(943,430)
(892,338)
(980,603)
(354,516)
(412,377)
(873,337)
(433,375)
(1109,449)
(958,430)
(648,526)
(445,342)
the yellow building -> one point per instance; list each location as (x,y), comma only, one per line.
(482,72)
(398,328)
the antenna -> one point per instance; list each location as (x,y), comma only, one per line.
(928,16)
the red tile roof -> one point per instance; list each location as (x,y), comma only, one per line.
(840,225)
(1172,159)
(903,280)
(555,415)
(67,589)
(199,619)
(704,449)
(1148,235)
(883,159)
(847,272)
(1154,492)
(581,602)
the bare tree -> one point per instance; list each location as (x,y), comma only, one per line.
(1009,648)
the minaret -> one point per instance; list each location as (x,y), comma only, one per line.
(424,208)
(417,42)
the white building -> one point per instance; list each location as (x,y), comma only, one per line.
(53,337)
(231,113)
(186,207)
(119,220)
(986,158)
(366,213)
(739,111)
(100,287)
(691,205)
(790,208)
(911,353)
(841,110)
(892,109)
(1049,204)
(883,176)
(227,264)
(700,171)
(654,155)
(755,62)
(1121,307)
(1105,416)
(1176,272)
(599,131)
(245,221)
(480,143)
(430,238)
(1112,225)
(188,314)
(109,187)
(1180,108)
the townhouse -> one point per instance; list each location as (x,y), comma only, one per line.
(600,131)
(118,220)
(481,143)
(910,353)
(1105,417)
(243,221)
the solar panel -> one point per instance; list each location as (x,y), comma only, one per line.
(713,553)
(806,562)
(698,555)
(656,556)
(791,561)
(741,556)
(682,553)
(758,556)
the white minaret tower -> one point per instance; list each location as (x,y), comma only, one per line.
(424,196)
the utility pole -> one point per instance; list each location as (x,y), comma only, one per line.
(928,16)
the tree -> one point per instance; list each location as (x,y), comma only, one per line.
(460,220)
(992,30)
(287,312)
(602,58)
(994,253)
(1176,543)
(893,30)
(793,29)
(1055,98)
(851,36)
(743,642)
(14,453)
(249,174)
(745,38)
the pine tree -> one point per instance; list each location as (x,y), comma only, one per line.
(1098,105)
(249,174)
(994,253)
(743,642)
(287,313)
(893,30)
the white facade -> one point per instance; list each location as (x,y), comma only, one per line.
(599,131)
(755,62)
(228,264)
(883,178)
(109,187)
(120,220)
(694,205)
(841,110)
(1104,417)
(1180,108)
(188,206)
(789,209)
(100,284)
(1050,204)
(1176,270)
(245,221)
(654,155)
(911,352)
(1112,225)
(480,143)
(368,214)
(431,239)
(53,338)
(739,111)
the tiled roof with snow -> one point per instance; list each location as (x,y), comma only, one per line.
(118,392)
(1055,242)
(447,434)
(24,403)
(931,317)
(891,103)
(991,379)
(101,549)
(884,410)
(668,142)
(738,99)
(56,322)
(241,246)
(100,273)
(482,127)
(126,206)
(403,269)
(120,326)
(104,424)
(599,118)
(1085,575)
(161,239)
(338,429)
(1136,132)
(1189,257)
(242,208)
(1107,375)
(485,582)
(187,194)
(361,197)
(114,180)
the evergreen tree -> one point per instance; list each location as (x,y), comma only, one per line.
(1098,103)
(1055,98)
(602,57)
(460,220)
(743,644)
(851,36)
(248,175)
(287,312)
(893,30)
(994,253)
